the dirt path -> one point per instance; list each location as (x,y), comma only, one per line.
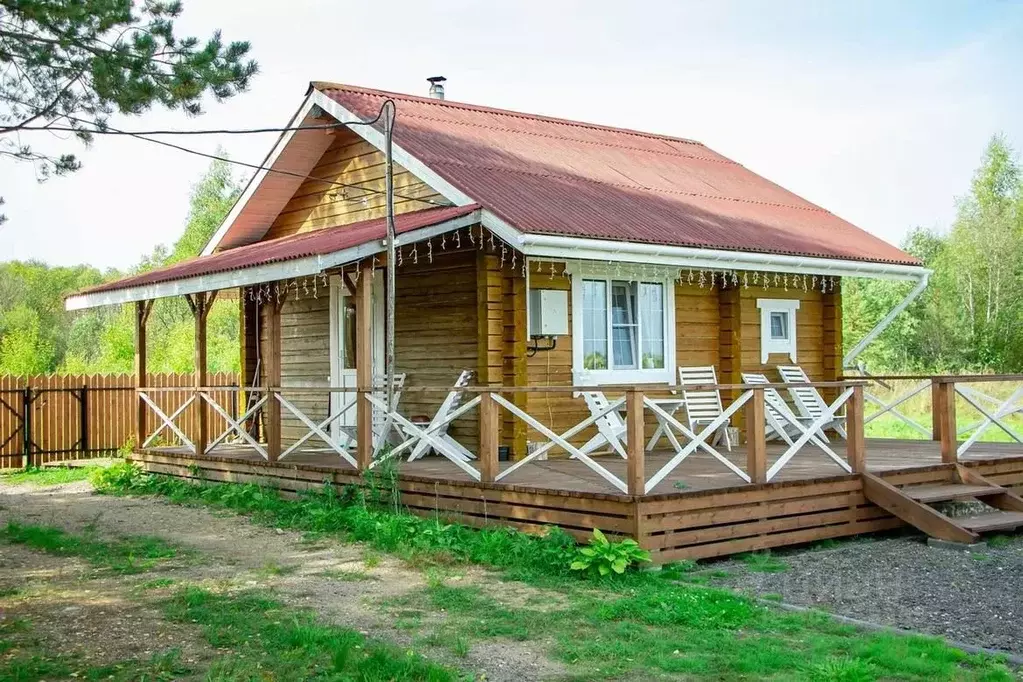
(318,575)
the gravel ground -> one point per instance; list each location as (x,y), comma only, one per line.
(975,598)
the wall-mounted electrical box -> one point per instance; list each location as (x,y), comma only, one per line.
(548,312)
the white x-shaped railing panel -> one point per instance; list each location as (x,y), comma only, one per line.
(561,440)
(810,434)
(1006,409)
(428,435)
(695,440)
(233,425)
(168,422)
(886,408)
(315,430)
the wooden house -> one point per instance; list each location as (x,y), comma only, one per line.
(547,257)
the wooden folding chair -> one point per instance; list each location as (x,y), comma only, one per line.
(703,406)
(808,400)
(610,427)
(440,422)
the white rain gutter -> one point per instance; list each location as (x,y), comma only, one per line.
(553,246)
(847,361)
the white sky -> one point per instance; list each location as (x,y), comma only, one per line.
(879,111)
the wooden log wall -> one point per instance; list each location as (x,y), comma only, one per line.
(719,326)
(436,333)
(56,415)
(305,354)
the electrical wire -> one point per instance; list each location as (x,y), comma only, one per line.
(107,130)
(254,166)
(208,131)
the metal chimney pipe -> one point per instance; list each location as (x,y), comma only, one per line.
(437,86)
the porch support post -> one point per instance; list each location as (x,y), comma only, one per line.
(490,322)
(756,440)
(142,310)
(200,304)
(634,428)
(488,438)
(855,442)
(271,362)
(364,364)
(730,344)
(945,406)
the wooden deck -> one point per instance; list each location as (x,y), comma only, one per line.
(699,510)
(698,472)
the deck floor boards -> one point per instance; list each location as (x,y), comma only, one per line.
(699,471)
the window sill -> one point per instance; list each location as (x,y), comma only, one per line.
(608,377)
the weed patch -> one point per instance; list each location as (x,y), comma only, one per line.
(43,476)
(122,556)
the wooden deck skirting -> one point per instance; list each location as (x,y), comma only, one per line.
(683,525)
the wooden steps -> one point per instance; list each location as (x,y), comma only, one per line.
(947,492)
(911,503)
(991,521)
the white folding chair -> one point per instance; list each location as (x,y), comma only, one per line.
(808,399)
(782,422)
(384,428)
(439,424)
(703,406)
(610,427)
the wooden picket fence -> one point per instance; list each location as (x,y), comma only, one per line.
(55,418)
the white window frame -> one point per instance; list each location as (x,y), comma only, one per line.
(596,377)
(789,306)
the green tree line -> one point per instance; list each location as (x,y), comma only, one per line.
(37,336)
(968,319)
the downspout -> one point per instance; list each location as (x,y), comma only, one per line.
(884,323)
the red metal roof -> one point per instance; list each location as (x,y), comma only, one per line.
(320,242)
(550,176)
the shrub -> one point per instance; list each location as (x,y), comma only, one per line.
(118,476)
(603,557)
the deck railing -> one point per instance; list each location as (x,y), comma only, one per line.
(630,423)
(964,410)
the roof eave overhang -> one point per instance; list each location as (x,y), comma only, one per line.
(577,248)
(262,274)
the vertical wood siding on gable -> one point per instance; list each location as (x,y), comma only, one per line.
(350,160)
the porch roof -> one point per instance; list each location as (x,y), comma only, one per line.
(295,256)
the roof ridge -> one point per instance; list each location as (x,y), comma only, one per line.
(327,85)
(813,208)
(665,152)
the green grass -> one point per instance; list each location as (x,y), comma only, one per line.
(265,640)
(651,631)
(43,476)
(763,562)
(643,625)
(123,556)
(918,408)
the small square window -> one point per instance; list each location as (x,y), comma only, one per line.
(779,326)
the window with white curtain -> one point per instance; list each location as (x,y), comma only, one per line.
(622,330)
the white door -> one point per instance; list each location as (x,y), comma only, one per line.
(342,350)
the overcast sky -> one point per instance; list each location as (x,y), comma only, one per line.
(878,111)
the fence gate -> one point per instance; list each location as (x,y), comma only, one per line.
(45,419)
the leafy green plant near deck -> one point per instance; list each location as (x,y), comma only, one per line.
(602,557)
